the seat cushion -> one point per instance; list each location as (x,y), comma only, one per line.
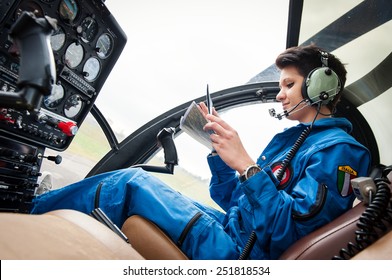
(150,241)
(60,235)
(326,242)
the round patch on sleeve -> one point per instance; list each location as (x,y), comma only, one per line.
(288,174)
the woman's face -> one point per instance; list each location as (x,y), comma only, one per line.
(290,95)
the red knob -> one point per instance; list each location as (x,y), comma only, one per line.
(69,128)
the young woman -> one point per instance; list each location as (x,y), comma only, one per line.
(300,181)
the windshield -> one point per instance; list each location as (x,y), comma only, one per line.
(175,48)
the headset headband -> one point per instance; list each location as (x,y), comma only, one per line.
(324,58)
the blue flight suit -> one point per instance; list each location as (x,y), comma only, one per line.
(314,190)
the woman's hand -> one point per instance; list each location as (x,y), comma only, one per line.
(204,110)
(226,141)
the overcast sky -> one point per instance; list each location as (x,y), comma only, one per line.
(176,47)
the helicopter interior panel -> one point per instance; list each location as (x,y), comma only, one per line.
(86,44)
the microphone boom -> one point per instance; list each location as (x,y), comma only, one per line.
(286,113)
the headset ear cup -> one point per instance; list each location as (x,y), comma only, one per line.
(322,84)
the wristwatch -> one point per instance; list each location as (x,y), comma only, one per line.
(249,172)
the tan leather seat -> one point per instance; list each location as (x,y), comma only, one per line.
(60,234)
(150,241)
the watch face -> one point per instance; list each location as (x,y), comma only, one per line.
(252,171)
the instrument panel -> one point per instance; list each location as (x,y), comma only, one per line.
(86,45)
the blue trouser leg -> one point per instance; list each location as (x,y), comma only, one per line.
(129,192)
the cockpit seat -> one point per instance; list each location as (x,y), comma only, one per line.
(326,242)
(323,244)
(150,241)
(60,235)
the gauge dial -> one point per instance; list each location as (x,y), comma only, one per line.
(68,10)
(104,45)
(88,29)
(55,97)
(57,39)
(73,106)
(29,6)
(74,55)
(91,69)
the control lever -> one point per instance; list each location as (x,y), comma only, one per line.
(37,72)
(33,159)
(166,141)
(56,159)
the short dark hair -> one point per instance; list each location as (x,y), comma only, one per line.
(307,58)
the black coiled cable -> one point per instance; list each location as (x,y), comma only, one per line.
(372,221)
(292,152)
(294,149)
(248,246)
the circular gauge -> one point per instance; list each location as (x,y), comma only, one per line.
(14,67)
(91,69)
(74,55)
(104,45)
(57,39)
(55,97)
(68,10)
(88,29)
(73,106)
(29,6)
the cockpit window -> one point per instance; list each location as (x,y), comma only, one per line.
(174,50)
(88,147)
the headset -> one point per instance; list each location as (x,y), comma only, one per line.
(322,84)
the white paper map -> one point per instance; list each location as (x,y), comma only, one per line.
(193,122)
